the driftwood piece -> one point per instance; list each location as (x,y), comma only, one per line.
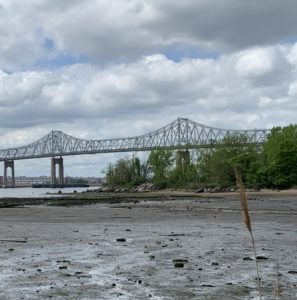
(14,241)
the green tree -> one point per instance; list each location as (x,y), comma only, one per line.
(185,172)
(125,172)
(160,162)
(217,166)
(280,158)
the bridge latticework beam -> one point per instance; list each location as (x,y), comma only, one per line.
(182,133)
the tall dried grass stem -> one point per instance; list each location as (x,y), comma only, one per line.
(247,220)
(278,288)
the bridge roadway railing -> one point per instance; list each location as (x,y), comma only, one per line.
(180,134)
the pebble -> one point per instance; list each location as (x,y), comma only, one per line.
(179,265)
(262,257)
(121,240)
(247,258)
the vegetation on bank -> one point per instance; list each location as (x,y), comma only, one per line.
(272,165)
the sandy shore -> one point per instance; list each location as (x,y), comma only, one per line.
(50,252)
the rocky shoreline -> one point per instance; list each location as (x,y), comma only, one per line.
(150,187)
(143,192)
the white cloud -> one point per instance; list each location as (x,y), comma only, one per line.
(151,85)
(129,84)
(264,102)
(106,31)
(292,91)
(255,62)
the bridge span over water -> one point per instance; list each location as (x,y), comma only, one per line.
(180,134)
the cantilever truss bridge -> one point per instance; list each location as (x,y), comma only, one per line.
(180,134)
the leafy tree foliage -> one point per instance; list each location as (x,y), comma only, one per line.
(216,167)
(125,172)
(160,163)
(279,166)
(272,165)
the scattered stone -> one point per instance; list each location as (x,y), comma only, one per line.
(62,267)
(262,257)
(121,240)
(247,258)
(179,264)
(292,272)
(139,281)
(113,285)
(214,264)
(128,229)
(207,285)
(180,260)
(11,249)
(145,187)
(152,256)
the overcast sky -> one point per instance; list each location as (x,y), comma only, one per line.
(113,68)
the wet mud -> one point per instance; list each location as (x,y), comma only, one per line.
(186,248)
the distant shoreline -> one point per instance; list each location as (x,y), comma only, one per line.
(93,197)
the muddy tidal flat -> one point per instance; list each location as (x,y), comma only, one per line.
(181,246)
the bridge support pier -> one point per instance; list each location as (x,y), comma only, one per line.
(182,158)
(9,164)
(54,179)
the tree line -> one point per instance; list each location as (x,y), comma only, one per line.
(271,165)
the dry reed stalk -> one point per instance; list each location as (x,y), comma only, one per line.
(246,220)
(277,288)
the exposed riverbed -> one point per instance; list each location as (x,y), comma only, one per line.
(127,250)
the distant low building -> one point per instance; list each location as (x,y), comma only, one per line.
(28,181)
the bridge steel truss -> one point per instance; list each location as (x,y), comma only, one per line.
(180,134)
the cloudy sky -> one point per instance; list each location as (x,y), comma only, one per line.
(112,68)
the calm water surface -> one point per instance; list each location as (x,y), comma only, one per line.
(29,192)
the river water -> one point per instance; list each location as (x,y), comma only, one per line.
(38,192)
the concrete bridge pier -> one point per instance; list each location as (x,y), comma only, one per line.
(9,164)
(182,158)
(59,162)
